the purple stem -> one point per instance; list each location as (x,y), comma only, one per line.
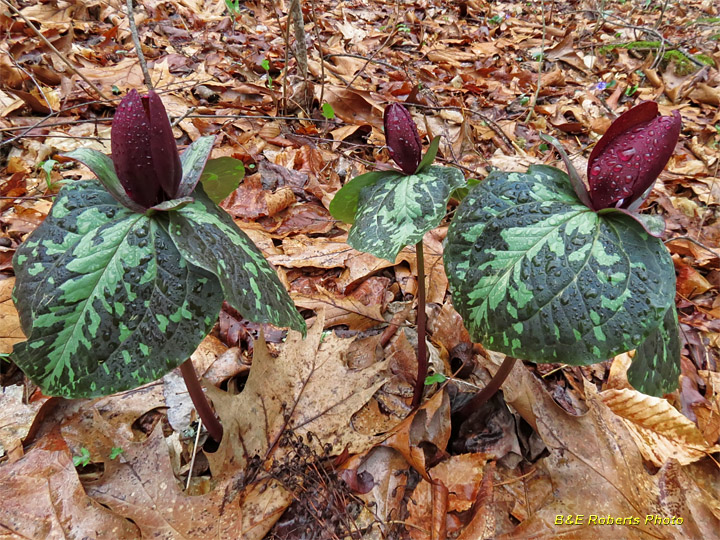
(490,389)
(421,329)
(202,406)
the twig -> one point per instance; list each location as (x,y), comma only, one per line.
(194,453)
(377,51)
(700,244)
(662,13)
(32,78)
(138,46)
(53,49)
(318,43)
(531,109)
(202,406)
(287,60)
(421,329)
(361,57)
(183,117)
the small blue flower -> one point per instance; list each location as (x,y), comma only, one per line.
(602,85)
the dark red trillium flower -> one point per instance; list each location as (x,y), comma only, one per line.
(402,138)
(144,153)
(627,160)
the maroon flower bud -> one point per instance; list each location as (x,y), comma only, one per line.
(144,153)
(402,138)
(627,160)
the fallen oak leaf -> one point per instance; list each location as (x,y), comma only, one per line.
(308,389)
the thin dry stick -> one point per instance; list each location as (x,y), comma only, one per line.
(320,50)
(376,52)
(287,59)
(194,453)
(531,110)
(32,78)
(53,49)
(138,45)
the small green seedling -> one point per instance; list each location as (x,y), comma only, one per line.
(83,460)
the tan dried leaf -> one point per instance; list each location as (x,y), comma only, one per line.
(308,389)
(10,331)
(660,431)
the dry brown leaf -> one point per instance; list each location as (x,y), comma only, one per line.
(429,424)
(462,476)
(16,417)
(308,389)
(597,470)
(42,498)
(140,486)
(660,431)
(348,310)
(10,331)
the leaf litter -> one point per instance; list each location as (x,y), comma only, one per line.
(322,439)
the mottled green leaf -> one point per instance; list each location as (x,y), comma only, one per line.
(656,366)
(538,275)
(397,211)
(345,203)
(102,166)
(653,224)
(105,298)
(166,206)
(221,177)
(579,185)
(207,236)
(193,161)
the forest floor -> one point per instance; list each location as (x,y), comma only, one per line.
(320,439)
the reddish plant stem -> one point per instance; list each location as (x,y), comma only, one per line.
(421,329)
(202,406)
(490,389)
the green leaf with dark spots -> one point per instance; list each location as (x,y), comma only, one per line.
(221,177)
(656,366)
(193,161)
(397,211)
(345,203)
(207,237)
(102,166)
(537,275)
(105,298)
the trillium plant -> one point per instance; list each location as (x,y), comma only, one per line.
(393,209)
(127,275)
(548,267)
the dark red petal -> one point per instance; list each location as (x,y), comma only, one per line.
(631,159)
(402,138)
(644,112)
(131,152)
(165,157)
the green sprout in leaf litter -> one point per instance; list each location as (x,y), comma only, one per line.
(115,451)
(83,460)
(328,111)
(125,277)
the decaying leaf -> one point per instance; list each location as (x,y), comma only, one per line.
(309,389)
